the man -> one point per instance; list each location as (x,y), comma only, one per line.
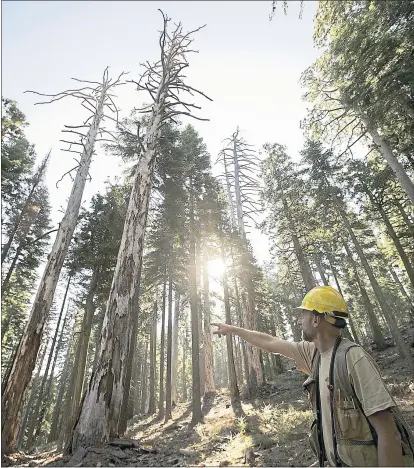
(357,422)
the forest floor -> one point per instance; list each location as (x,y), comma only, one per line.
(274,432)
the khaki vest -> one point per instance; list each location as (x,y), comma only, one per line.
(354,438)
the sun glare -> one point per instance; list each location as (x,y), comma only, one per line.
(216,267)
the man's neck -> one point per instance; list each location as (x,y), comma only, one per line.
(325,343)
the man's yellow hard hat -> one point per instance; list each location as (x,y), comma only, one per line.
(325,300)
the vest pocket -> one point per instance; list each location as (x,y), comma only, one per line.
(351,422)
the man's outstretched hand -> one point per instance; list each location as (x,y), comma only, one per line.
(222,329)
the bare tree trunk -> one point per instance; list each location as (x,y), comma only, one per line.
(350,320)
(162,350)
(99,415)
(239,317)
(305,268)
(47,397)
(404,257)
(276,359)
(75,390)
(197,415)
(53,433)
(26,356)
(389,156)
(392,322)
(123,417)
(30,435)
(400,285)
(153,361)
(404,216)
(234,390)
(321,271)
(144,377)
(201,347)
(176,325)
(97,337)
(184,377)
(208,344)
(36,381)
(168,413)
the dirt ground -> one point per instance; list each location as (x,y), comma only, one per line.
(273,433)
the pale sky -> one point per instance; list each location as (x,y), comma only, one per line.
(248,65)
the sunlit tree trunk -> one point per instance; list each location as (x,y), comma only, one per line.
(176,324)
(153,361)
(168,413)
(391,159)
(208,344)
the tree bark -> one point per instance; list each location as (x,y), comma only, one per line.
(168,413)
(75,390)
(208,343)
(29,346)
(350,319)
(239,208)
(36,381)
(400,285)
(305,268)
(30,435)
(321,271)
(123,417)
(153,360)
(197,415)
(183,376)
(392,322)
(389,156)
(144,377)
(54,433)
(176,325)
(404,216)
(161,401)
(234,390)
(47,399)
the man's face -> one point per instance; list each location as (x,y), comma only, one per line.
(306,321)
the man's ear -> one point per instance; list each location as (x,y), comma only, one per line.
(317,320)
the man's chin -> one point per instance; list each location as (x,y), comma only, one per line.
(306,337)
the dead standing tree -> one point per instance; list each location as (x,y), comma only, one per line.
(98,101)
(240,164)
(100,411)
